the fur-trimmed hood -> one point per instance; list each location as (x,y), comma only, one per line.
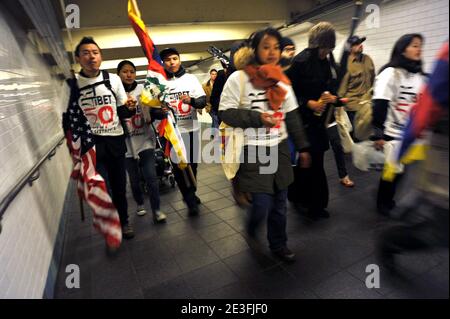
(243,57)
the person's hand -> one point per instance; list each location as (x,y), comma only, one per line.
(186,99)
(131,103)
(328,98)
(305,160)
(268,120)
(379,144)
(317,106)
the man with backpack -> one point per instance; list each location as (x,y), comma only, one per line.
(104,102)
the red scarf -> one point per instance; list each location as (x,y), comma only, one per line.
(266,77)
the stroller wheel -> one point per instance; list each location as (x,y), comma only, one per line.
(172,180)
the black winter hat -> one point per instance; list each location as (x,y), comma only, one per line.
(168,51)
(285,41)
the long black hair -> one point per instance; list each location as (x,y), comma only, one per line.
(398,60)
(256,38)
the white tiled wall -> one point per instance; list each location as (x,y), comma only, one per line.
(31,102)
(397,17)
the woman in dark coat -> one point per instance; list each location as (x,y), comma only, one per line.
(313,74)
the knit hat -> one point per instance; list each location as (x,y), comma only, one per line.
(285,42)
(322,35)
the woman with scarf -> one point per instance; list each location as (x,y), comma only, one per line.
(259,99)
(140,156)
(395,92)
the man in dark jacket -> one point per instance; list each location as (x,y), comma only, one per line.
(312,75)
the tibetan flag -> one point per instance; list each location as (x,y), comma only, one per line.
(167,128)
(155,86)
(432,102)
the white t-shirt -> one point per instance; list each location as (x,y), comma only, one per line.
(400,88)
(141,135)
(254,99)
(100,106)
(185,114)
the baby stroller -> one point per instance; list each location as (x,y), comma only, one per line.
(164,169)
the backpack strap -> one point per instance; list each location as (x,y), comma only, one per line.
(106,82)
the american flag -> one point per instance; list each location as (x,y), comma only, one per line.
(90,184)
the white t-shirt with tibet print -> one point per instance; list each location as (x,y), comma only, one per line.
(185,114)
(400,88)
(141,136)
(256,100)
(99,104)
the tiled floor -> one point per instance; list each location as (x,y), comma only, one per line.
(208,257)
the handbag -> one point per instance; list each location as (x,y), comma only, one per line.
(344,128)
(232,143)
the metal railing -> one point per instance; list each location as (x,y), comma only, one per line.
(32,175)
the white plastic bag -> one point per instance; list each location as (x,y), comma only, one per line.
(367,158)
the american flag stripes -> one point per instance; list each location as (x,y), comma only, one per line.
(90,184)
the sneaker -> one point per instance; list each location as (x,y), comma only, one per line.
(140,211)
(127,232)
(284,254)
(159,217)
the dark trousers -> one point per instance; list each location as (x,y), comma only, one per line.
(112,169)
(182,177)
(274,207)
(310,186)
(386,193)
(146,165)
(338,150)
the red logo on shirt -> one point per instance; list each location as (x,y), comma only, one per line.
(279,117)
(106,114)
(184,108)
(137,121)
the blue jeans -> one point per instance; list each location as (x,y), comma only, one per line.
(146,165)
(274,207)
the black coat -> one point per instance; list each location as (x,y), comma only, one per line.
(310,77)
